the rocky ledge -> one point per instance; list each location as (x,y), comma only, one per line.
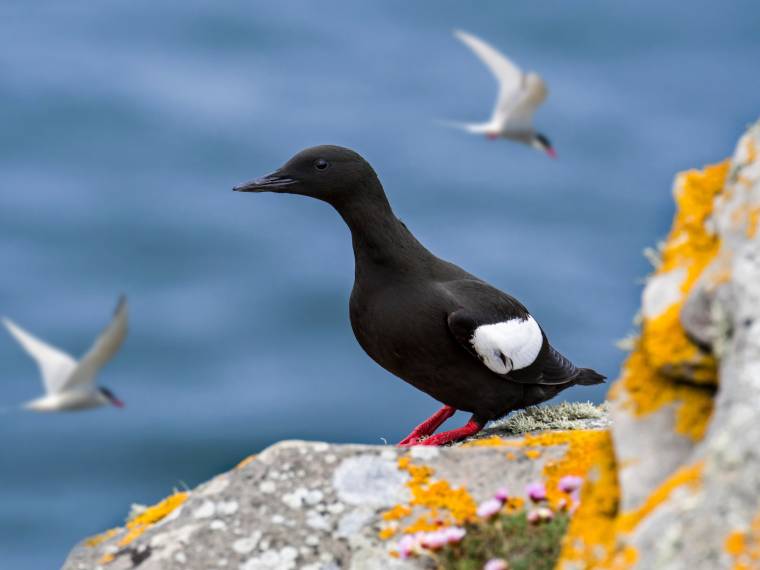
(320,506)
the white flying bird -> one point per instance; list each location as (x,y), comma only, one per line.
(70,385)
(520,94)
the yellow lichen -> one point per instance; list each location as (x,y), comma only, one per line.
(690,475)
(436,502)
(387,532)
(582,451)
(532,453)
(744,546)
(99,539)
(140,523)
(245,461)
(690,246)
(753,219)
(397,512)
(642,390)
(590,538)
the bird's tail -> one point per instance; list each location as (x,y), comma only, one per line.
(588,377)
(477,128)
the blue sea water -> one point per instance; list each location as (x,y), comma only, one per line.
(124,125)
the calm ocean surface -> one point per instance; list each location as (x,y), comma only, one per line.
(124,125)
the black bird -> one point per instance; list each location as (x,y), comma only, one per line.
(429,322)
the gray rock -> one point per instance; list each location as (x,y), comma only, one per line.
(690,528)
(314,506)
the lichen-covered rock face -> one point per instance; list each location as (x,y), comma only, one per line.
(318,506)
(683,477)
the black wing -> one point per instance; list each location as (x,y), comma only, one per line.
(483,305)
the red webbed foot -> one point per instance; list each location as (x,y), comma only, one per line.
(428,427)
(469,429)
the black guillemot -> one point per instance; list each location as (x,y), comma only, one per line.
(429,322)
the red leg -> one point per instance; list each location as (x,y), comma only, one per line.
(429,425)
(470,428)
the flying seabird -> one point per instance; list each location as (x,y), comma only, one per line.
(70,385)
(520,94)
(429,322)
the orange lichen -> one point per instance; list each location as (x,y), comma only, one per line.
(744,546)
(99,539)
(140,523)
(753,219)
(690,246)
(583,448)
(397,512)
(690,475)
(387,532)
(493,441)
(642,390)
(245,461)
(590,539)
(436,501)
(532,454)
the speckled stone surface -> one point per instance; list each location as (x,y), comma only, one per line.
(689,530)
(307,506)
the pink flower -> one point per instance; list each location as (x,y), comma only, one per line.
(489,508)
(407,546)
(502,494)
(541,514)
(496,564)
(570,483)
(536,492)
(454,534)
(434,540)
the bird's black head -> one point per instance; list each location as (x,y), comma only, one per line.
(541,142)
(334,174)
(111,397)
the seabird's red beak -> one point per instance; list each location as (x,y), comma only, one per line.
(551,152)
(117,403)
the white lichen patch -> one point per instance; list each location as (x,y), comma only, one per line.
(424,452)
(164,545)
(206,510)
(215,486)
(247,544)
(662,291)
(226,508)
(284,559)
(370,480)
(296,499)
(218,524)
(316,521)
(267,487)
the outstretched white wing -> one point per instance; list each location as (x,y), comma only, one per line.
(509,76)
(55,365)
(104,348)
(519,94)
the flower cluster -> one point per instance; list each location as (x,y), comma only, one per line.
(420,542)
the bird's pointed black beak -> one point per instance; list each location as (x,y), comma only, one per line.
(275,182)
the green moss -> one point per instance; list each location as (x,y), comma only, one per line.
(523,545)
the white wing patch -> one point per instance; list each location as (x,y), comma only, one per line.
(509,345)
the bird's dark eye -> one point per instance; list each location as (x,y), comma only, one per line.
(321,164)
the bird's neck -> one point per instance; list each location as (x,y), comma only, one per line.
(381,241)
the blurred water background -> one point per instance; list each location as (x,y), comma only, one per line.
(124,125)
